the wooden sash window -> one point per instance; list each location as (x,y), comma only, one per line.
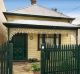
(49,39)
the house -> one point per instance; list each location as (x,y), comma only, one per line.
(30,27)
(3,29)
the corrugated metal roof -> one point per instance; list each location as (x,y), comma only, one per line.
(43,23)
(76,21)
(39,10)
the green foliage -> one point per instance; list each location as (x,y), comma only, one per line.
(35,67)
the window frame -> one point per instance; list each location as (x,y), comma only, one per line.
(44,36)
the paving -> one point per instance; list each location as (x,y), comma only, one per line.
(22,68)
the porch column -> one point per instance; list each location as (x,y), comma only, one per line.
(78,36)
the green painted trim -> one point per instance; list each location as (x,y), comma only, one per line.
(43,38)
(54,39)
(59,39)
(25,43)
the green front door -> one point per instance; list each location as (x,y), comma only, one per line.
(20,47)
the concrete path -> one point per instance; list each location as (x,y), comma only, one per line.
(21,68)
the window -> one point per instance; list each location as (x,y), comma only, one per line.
(49,39)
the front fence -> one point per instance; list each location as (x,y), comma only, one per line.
(64,59)
(6,53)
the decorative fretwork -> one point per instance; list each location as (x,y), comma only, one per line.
(14,31)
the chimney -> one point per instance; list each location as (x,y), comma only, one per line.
(33,2)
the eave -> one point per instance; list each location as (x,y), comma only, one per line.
(40,16)
(16,25)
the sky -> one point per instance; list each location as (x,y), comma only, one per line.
(68,7)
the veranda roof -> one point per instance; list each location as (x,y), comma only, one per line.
(38,23)
(39,27)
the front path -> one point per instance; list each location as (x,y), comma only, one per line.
(21,68)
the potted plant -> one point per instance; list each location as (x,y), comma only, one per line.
(36,68)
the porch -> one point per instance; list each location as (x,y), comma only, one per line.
(27,42)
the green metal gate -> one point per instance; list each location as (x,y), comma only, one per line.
(64,59)
(6,54)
